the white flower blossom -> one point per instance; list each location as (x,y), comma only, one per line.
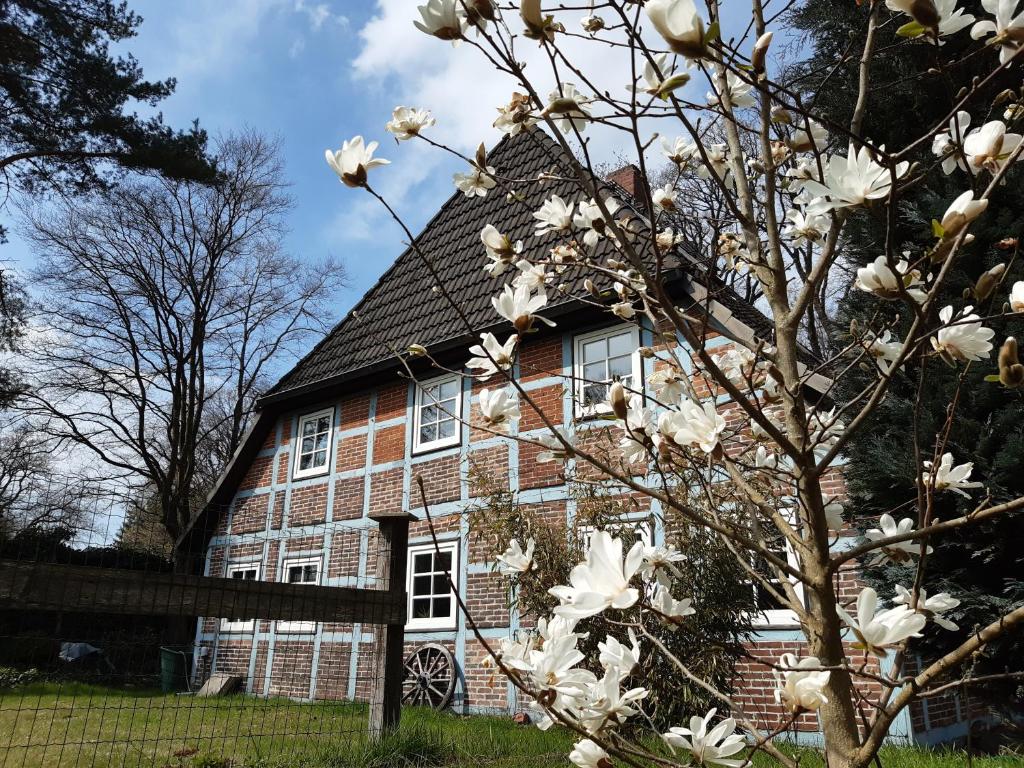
(799,685)
(804,140)
(660,558)
(739,90)
(855,179)
(679,23)
(569,108)
(1017,297)
(617,656)
(519,305)
(665,197)
(623,310)
(407,122)
(499,248)
(963,340)
(1006,29)
(679,150)
(590,218)
(660,77)
(930,607)
(668,383)
(900,552)
(490,356)
(555,450)
(443,19)
(765,459)
(671,610)
(805,227)
(877,631)
(478,182)
(592,24)
(515,116)
(883,349)
(714,747)
(949,478)
(879,279)
(834,516)
(607,703)
(990,146)
(587,754)
(949,144)
(499,408)
(717,163)
(555,215)
(533,276)
(515,560)
(353,161)
(602,580)
(692,424)
(960,213)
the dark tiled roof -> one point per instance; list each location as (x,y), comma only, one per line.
(402,308)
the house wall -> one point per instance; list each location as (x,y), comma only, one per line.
(372,471)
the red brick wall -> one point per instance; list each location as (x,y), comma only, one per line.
(308,505)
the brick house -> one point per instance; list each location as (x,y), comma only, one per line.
(343,435)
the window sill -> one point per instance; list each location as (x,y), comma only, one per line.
(422,450)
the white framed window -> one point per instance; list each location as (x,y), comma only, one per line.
(769,611)
(436,414)
(631,530)
(299,570)
(313,452)
(241,572)
(600,358)
(432,602)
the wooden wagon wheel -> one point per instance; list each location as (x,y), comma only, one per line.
(429,677)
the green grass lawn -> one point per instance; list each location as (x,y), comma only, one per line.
(47,726)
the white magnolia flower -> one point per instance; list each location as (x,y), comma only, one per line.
(518,306)
(489,356)
(714,747)
(569,108)
(1008,29)
(515,560)
(949,144)
(737,363)
(900,552)
(800,687)
(930,607)
(477,182)
(665,197)
(407,122)
(353,161)
(660,77)
(884,349)
(623,310)
(444,19)
(679,150)
(950,478)
(951,18)
(805,227)
(660,558)
(739,90)
(805,169)
(966,340)
(592,24)
(668,383)
(587,754)
(679,23)
(855,179)
(499,248)
(670,609)
(1017,297)
(553,668)
(804,140)
(608,703)
(499,408)
(602,580)
(877,631)
(692,424)
(563,255)
(555,450)
(765,459)
(615,655)
(515,116)
(990,146)
(879,279)
(532,276)
(555,215)
(590,218)
(960,213)
(718,162)
(825,430)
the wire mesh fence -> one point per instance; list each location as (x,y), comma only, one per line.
(273,651)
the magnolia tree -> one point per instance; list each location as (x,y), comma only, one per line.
(791,182)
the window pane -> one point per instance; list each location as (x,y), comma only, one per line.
(442,607)
(620,344)
(238,574)
(309,574)
(595,372)
(308,428)
(448,389)
(307,444)
(421,563)
(594,394)
(440,584)
(250,575)
(421,585)
(444,561)
(294,574)
(323,424)
(429,414)
(421,609)
(447,429)
(305,461)
(319,458)
(595,350)
(620,367)
(321,441)
(428,434)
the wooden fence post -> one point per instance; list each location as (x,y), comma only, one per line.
(388,659)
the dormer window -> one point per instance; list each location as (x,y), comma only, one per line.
(601,358)
(313,454)
(438,408)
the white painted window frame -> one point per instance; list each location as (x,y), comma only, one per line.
(301,626)
(297,472)
(422,400)
(243,625)
(444,623)
(589,412)
(782,617)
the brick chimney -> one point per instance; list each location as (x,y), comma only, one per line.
(630,179)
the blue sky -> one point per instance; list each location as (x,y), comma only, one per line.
(313,73)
